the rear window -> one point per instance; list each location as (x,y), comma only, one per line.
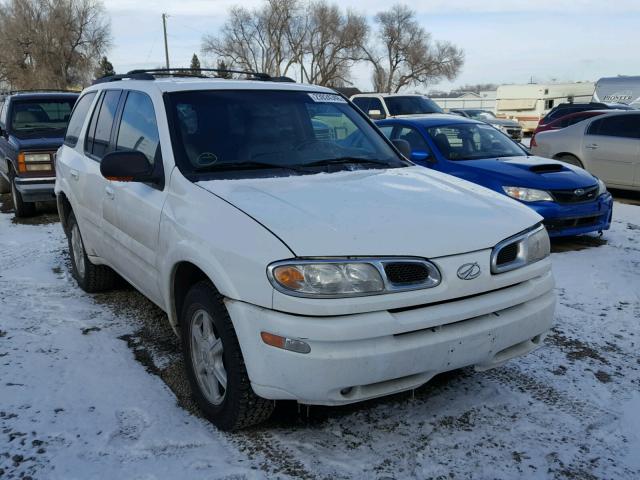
(411,105)
(42,118)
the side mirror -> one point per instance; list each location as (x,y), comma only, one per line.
(376,115)
(419,155)
(127,166)
(403,146)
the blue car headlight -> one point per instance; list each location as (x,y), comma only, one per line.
(602,188)
(528,194)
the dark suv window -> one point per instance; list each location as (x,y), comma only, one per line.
(138,129)
(626,126)
(77,119)
(99,133)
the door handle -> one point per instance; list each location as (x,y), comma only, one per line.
(74,174)
(593,146)
(109,192)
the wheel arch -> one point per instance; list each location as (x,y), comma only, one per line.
(558,156)
(185,274)
(64,209)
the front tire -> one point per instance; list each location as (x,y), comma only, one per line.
(5,186)
(214,364)
(21,208)
(91,278)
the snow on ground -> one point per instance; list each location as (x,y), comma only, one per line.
(91,387)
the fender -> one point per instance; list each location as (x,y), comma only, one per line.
(198,227)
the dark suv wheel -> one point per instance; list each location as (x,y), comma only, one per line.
(5,186)
(214,363)
(21,208)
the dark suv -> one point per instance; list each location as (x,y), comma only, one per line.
(567,108)
(32,126)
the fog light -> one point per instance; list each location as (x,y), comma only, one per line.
(291,344)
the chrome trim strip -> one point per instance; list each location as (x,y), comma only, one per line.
(432,281)
(35,179)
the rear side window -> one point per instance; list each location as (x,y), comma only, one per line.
(624,126)
(77,119)
(99,134)
(138,128)
(414,138)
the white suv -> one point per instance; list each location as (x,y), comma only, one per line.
(295,250)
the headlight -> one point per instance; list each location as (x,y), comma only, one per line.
(523,249)
(34,162)
(602,188)
(528,194)
(37,157)
(351,278)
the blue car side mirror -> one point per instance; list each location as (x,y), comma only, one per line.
(419,155)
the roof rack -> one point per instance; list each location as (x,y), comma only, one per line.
(152,74)
(38,90)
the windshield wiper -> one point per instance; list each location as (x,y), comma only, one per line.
(343,161)
(241,166)
(41,127)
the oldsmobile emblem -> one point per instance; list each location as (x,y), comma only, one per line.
(469,271)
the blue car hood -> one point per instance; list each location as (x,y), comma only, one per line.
(531,172)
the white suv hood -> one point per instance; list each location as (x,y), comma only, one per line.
(404,211)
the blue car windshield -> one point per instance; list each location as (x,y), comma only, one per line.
(287,131)
(471,141)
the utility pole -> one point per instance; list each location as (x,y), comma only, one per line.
(166,46)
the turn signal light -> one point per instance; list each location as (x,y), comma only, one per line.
(291,344)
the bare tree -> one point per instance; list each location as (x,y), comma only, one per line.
(105,68)
(51,43)
(268,39)
(406,54)
(331,44)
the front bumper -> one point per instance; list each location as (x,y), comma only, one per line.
(362,356)
(36,189)
(563,220)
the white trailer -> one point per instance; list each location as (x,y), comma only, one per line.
(622,89)
(529,103)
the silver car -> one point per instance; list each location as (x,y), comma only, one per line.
(607,145)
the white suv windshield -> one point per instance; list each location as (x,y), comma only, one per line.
(229,130)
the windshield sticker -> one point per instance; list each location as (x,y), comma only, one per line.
(326,98)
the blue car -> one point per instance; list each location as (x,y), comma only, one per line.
(571,200)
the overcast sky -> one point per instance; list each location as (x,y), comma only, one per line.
(505,41)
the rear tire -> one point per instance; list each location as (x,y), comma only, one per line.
(5,186)
(91,278)
(571,160)
(215,367)
(21,208)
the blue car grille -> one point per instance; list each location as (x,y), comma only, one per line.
(576,195)
(554,224)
